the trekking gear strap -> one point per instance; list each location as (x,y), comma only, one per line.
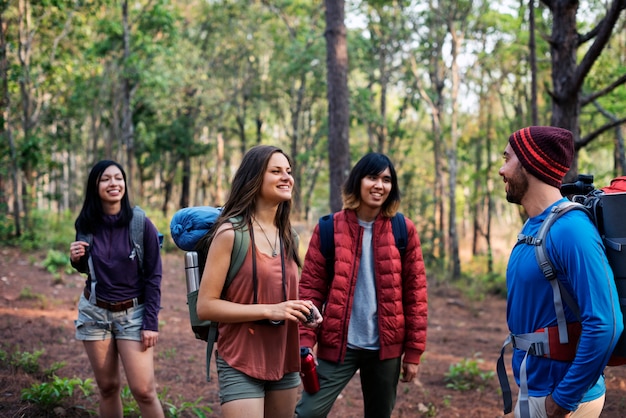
(137,225)
(507,397)
(237,257)
(534,344)
(548,270)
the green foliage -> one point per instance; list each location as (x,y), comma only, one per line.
(46,230)
(427,411)
(58,264)
(50,394)
(27,294)
(129,404)
(467,375)
(28,362)
(184,408)
(173,409)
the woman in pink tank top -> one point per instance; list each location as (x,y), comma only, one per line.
(259,313)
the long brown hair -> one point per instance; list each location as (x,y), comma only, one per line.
(246,186)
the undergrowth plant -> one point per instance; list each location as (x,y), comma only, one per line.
(467,375)
(28,362)
(172,409)
(47,395)
(58,264)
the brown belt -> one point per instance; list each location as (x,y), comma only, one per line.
(116,306)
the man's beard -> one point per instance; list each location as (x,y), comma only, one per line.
(518,186)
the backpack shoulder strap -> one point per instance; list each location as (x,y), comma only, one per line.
(137,225)
(237,257)
(327,242)
(540,245)
(398,225)
(560,293)
(240,249)
(82,236)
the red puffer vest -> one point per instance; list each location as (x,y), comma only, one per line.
(401,290)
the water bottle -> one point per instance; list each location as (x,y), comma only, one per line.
(192,271)
(308,372)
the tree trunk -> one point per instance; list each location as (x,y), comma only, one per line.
(5,123)
(532,51)
(127,112)
(338,100)
(567,76)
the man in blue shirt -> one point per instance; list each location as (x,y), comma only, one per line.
(535,161)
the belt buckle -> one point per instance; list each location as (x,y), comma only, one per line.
(536,349)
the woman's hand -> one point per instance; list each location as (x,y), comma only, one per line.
(77,250)
(149,338)
(314,317)
(294,310)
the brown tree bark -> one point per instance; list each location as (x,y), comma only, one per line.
(338,99)
(568,75)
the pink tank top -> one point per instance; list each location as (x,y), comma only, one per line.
(264,352)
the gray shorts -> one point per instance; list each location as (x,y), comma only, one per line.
(236,385)
(98,324)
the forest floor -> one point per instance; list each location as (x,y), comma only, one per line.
(36,314)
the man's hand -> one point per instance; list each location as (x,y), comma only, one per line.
(553,410)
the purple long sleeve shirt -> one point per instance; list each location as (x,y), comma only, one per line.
(118,277)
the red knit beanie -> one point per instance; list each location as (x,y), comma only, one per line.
(545,152)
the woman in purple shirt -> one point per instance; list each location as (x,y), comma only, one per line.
(118,309)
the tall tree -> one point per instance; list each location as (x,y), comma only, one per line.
(338,103)
(5,122)
(569,74)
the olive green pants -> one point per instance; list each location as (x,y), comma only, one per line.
(379,380)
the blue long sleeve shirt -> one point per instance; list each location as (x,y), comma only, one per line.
(575,248)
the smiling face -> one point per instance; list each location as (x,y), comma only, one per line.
(514,177)
(111,186)
(375,189)
(277,180)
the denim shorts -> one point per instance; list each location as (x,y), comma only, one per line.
(235,385)
(98,324)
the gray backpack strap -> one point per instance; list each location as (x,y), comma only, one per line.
(137,226)
(546,266)
(88,238)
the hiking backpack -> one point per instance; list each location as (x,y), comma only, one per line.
(605,207)
(188,226)
(327,238)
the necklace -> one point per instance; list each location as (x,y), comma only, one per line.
(273,247)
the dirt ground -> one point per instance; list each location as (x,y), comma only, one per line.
(458,330)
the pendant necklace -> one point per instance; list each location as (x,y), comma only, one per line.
(273,247)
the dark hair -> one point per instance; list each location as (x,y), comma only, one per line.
(91,214)
(371,164)
(244,190)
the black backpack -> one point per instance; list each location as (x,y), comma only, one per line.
(327,238)
(605,207)
(606,211)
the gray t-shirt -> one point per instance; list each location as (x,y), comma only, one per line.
(363,326)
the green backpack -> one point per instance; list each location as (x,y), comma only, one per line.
(207,330)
